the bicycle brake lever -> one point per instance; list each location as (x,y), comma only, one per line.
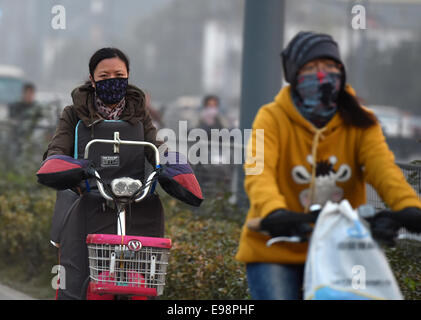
(283,239)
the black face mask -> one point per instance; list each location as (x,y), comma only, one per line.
(111,91)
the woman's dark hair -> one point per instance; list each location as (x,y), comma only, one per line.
(353,113)
(210,97)
(28,86)
(106,53)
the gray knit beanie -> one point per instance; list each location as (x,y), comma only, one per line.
(307,46)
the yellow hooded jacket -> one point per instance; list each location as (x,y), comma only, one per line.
(346,158)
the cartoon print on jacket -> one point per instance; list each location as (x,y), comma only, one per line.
(325,182)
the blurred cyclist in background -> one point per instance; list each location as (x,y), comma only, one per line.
(24,115)
(320,144)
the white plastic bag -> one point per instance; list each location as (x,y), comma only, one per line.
(344,262)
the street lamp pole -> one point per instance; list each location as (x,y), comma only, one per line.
(261,65)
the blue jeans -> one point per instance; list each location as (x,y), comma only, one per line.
(272,281)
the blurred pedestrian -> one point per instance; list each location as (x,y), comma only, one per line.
(210,116)
(214,173)
(24,116)
(27,106)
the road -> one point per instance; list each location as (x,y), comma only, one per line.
(7,293)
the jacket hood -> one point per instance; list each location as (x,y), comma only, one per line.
(284,100)
(83,102)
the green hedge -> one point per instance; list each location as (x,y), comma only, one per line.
(202,264)
(24,232)
(26,256)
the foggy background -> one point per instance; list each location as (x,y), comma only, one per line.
(181,50)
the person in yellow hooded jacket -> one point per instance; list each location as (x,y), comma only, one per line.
(320,144)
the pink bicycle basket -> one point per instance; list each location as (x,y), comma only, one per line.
(127,265)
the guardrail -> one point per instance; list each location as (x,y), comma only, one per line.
(220,176)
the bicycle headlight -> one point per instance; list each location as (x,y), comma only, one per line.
(125,187)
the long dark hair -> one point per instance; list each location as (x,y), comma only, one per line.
(353,113)
(107,53)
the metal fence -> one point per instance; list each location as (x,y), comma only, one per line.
(220,175)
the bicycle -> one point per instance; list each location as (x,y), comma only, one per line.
(123,266)
(333,254)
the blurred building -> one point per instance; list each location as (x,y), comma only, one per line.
(191,48)
(58,59)
(395,122)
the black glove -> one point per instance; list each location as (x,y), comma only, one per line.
(384,229)
(89,171)
(409,218)
(385,224)
(284,223)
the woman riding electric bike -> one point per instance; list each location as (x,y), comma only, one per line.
(104,105)
(319,144)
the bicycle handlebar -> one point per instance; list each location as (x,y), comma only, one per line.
(367,212)
(117,142)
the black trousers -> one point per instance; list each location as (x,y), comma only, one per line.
(91,215)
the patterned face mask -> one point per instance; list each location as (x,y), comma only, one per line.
(111,91)
(315,96)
